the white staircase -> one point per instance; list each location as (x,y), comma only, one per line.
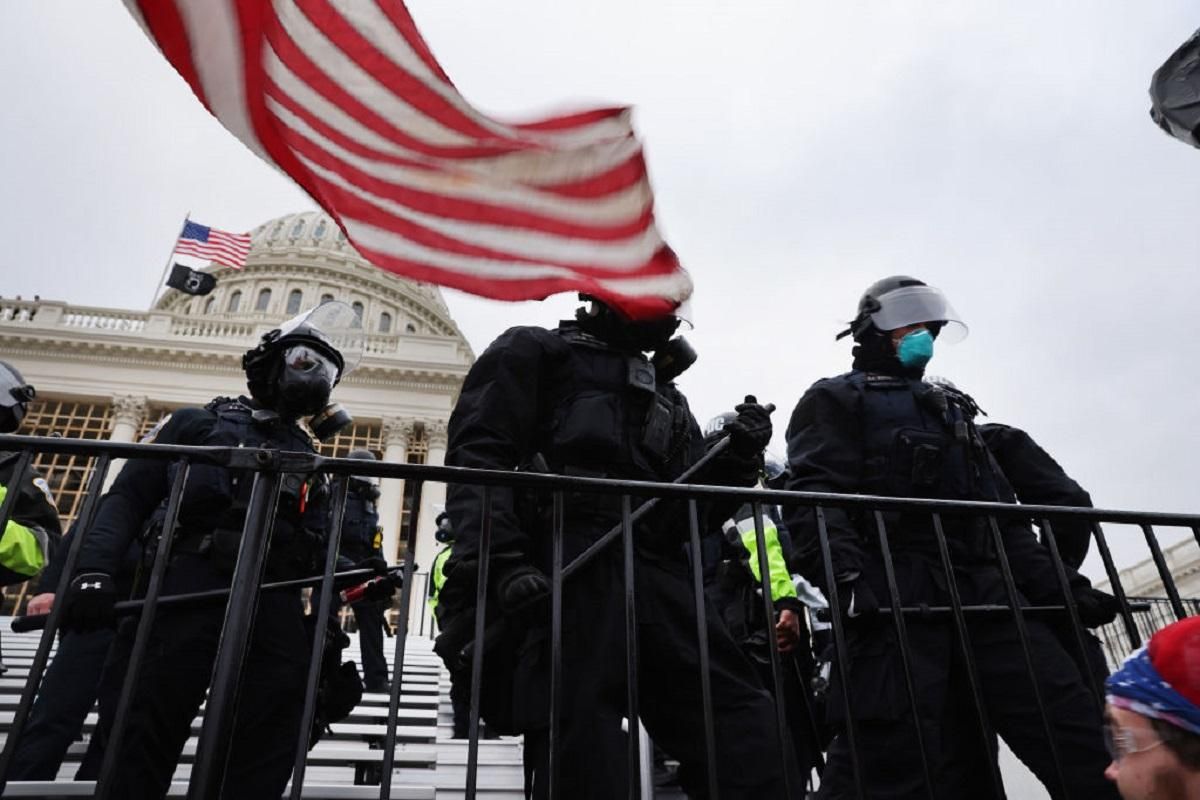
(428,765)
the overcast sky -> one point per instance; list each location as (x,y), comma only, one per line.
(800,150)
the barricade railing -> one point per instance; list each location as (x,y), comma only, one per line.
(876,526)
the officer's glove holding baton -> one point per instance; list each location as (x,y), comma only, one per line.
(519,585)
(750,431)
(90,601)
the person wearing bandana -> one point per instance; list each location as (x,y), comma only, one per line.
(1153,717)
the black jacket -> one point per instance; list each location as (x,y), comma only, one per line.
(873,433)
(215,497)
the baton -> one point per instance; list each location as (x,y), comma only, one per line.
(823,614)
(36,622)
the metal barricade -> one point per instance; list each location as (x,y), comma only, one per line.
(1139,617)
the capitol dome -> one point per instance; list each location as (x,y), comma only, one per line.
(301,260)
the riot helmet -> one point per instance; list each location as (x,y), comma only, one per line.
(642,335)
(774,471)
(900,301)
(444,532)
(717,424)
(294,368)
(366,484)
(15,395)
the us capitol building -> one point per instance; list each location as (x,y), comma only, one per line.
(105,373)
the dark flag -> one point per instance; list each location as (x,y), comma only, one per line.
(1175,93)
(190,281)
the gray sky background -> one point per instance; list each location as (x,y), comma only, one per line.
(800,150)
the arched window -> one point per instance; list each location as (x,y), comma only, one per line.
(297,229)
(319,231)
(235,302)
(264,300)
(208,305)
(326,298)
(358,308)
(293,303)
(385,322)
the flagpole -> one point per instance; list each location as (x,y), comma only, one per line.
(170,260)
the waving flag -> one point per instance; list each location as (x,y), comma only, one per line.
(202,241)
(346,98)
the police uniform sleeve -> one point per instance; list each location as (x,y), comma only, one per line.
(33,530)
(824,445)
(136,493)
(495,426)
(1037,479)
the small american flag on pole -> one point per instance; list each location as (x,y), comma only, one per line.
(346,98)
(202,241)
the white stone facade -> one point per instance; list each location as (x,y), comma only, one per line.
(187,350)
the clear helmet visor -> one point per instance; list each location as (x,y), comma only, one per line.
(336,324)
(911,305)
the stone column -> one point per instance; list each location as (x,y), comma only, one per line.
(128,413)
(433,495)
(397,431)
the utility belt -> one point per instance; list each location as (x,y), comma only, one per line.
(221,546)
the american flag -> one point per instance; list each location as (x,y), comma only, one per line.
(346,98)
(202,241)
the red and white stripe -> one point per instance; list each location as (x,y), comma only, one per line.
(229,249)
(346,98)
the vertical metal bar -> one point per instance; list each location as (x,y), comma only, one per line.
(905,660)
(1010,588)
(1164,571)
(1196,533)
(768,603)
(401,647)
(1114,581)
(317,658)
(216,733)
(986,734)
(843,655)
(631,653)
(1064,586)
(42,655)
(556,654)
(710,739)
(141,640)
(481,586)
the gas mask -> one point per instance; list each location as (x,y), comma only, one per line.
(306,379)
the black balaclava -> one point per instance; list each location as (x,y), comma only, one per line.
(874,352)
(608,325)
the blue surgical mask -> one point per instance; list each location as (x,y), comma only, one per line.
(915,349)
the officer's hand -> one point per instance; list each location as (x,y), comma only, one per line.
(382,589)
(40,604)
(520,586)
(374,563)
(862,602)
(1095,607)
(749,432)
(787,630)
(89,603)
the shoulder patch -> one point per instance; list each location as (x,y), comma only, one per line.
(152,434)
(44,488)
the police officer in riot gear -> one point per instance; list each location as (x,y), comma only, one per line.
(583,399)
(290,375)
(33,529)
(362,541)
(460,690)
(880,429)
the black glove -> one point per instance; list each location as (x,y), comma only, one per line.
(375,564)
(1095,607)
(749,432)
(519,585)
(382,589)
(90,602)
